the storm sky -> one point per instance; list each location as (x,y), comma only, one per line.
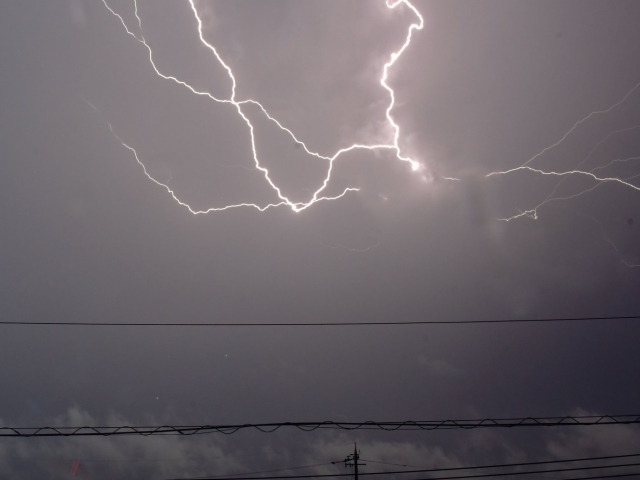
(484,87)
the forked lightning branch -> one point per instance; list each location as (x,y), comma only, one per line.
(596,176)
(280,199)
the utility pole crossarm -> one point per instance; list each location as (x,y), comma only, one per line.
(352,461)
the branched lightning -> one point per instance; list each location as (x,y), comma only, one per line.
(533,213)
(600,180)
(283,200)
(597,179)
(579,122)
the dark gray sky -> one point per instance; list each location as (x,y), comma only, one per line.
(485,86)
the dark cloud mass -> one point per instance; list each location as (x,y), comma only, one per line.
(484,87)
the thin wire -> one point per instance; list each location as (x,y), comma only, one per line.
(426,425)
(598,477)
(459,477)
(506,465)
(530,472)
(479,467)
(320,324)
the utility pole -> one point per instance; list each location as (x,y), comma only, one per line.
(352,461)
(355,460)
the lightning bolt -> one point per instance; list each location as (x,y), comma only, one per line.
(282,200)
(596,178)
(579,122)
(533,212)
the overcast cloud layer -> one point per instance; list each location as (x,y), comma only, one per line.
(485,86)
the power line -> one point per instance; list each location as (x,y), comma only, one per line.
(318,324)
(451,469)
(599,476)
(530,472)
(437,478)
(426,425)
(511,465)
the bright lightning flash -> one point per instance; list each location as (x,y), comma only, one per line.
(283,200)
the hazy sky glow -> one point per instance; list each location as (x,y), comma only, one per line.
(495,174)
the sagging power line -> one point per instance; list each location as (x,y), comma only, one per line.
(425,425)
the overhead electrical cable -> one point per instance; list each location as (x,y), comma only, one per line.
(425,425)
(527,472)
(318,324)
(451,469)
(508,465)
(636,474)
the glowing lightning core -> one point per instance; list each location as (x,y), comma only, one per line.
(283,200)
